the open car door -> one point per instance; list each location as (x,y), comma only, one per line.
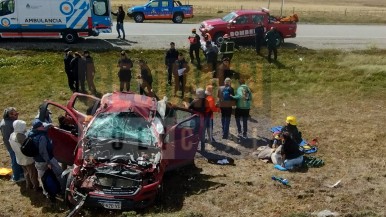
(64,132)
(82,105)
(181,139)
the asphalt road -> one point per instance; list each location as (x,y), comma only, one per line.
(158,36)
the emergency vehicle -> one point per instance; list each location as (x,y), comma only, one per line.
(66,19)
(161,10)
(240,25)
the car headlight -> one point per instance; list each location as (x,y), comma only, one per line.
(210,27)
(130,10)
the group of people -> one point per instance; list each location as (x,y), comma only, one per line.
(79,69)
(271,38)
(25,168)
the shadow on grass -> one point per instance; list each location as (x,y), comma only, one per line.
(225,148)
(179,184)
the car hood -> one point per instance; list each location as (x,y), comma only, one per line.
(213,22)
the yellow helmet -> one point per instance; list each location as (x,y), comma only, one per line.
(291,120)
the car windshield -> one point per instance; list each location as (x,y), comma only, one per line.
(123,126)
(229,17)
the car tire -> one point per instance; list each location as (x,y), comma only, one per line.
(139,17)
(178,18)
(218,38)
(70,37)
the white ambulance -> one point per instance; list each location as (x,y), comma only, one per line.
(67,19)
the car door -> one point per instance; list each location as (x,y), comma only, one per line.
(181,140)
(83,105)
(241,27)
(9,23)
(64,140)
(153,10)
(166,10)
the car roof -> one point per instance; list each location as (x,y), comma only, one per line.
(244,12)
(129,101)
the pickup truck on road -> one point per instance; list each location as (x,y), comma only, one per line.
(161,10)
(240,25)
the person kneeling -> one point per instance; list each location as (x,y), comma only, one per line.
(291,155)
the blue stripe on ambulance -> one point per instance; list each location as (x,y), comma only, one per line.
(75,2)
(43,26)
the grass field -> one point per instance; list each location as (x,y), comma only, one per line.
(330,11)
(337,96)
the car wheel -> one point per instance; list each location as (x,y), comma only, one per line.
(139,18)
(218,38)
(178,18)
(70,37)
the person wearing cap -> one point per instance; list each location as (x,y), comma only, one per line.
(226,103)
(259,36)
(68,56)
(45,159)
(180,70)
(27,163)
(291,128)
(125,64)
(211,109)
(243,99)
(146,77)
(201,106)
(10,115)
(120,17)
(90,72)
(272,37)
(195,44)
(170,58)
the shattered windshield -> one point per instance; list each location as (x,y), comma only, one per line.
(123,126)
(229,17)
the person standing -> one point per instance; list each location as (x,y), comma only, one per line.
(82,68)
(120,17)
(243,105)
(211,109)
(271,37)
(147,78)
(67,68)
(75,65)
(170,58)
(90,72)
(180,69)
(27,163)
(259,37)
(195,44)
(125,64)
(201,105)
(211,56)
(225,103)
(6,125)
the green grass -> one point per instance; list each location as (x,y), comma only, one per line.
(338,96)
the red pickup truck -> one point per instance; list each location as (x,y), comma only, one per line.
(240,25)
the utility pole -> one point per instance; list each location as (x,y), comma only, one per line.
(281,9)
(269,2)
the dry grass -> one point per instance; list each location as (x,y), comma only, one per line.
(337,96)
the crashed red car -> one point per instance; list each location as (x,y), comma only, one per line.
(120,157)
(240,25)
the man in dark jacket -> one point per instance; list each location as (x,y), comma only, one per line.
(195,44)
(271,37)
(67,68)
(259,31)
(75,65)
(120,17)
(170,58)
(211,56)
